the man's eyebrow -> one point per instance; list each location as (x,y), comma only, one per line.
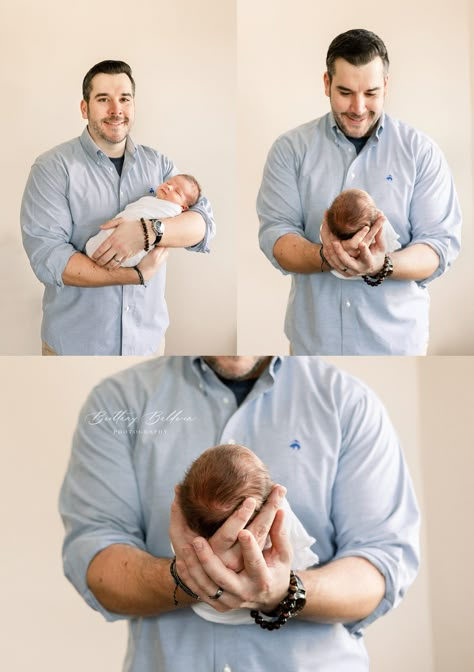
(102,95)
(345,89)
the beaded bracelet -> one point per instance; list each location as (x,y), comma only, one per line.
(385,271)
(180,584)
(285,610)
(145,233)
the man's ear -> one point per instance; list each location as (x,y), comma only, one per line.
(84,109)
(327,83)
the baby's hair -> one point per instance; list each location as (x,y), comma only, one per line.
(196,188)
(350,212)
(218,482)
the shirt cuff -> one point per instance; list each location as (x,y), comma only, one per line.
(77,559)
(269,238)
(389,601)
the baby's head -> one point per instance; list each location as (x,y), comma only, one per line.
(181,189)
(217,483)
(351,211)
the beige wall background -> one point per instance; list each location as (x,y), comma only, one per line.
(182,55)
(45,624)
(281,58)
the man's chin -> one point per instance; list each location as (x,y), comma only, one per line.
(237,367)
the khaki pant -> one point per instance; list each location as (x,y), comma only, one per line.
(46,351)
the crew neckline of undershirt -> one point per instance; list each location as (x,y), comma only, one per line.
(240,388)
(118,163)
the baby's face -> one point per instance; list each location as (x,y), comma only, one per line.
(177,190)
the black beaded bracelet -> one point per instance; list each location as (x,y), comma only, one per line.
(145,233)
(178,583)
(385,271)
(140,275)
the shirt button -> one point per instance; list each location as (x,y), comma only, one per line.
(232,442)
(225,400)
(348,304)
(227,668)
(127,308)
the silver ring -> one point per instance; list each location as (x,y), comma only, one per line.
(343,270)
(217,595)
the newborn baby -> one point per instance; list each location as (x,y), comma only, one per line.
(174,196)
(350,212)
(215,486)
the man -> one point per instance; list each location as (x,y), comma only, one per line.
(385,310)
(94,306)
(323,435)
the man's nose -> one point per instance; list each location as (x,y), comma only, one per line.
(115,108)
(358,104)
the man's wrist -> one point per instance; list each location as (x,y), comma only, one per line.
(377,278)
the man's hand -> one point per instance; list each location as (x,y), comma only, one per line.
(224,542)
(262,583)
(127,239)
(363,254)
(152,262)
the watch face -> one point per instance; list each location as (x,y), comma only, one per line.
(299,595)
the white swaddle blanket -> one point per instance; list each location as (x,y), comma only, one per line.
(390,238)
(148,207)
(303,557)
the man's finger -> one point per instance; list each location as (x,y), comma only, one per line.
(226,535)
(261,524)
(254,563)
(280,541)
(111,224)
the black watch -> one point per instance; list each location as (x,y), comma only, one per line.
(296,595)
(158,229)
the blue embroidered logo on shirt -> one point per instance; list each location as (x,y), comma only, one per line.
(389,178)
(295,445)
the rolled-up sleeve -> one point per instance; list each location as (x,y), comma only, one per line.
(375,512)
(279,205)
(46,221)
(99,500)
(203,207)
(435,213)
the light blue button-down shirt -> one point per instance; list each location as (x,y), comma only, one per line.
(322,433)
(71,191)
(409,180)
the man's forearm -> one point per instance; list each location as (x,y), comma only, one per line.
(415,262)
(297,254)
(184,230)
(81,271)
(342,591)
(129,581)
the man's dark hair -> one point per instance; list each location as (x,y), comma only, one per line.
(358,47)
(107,68)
